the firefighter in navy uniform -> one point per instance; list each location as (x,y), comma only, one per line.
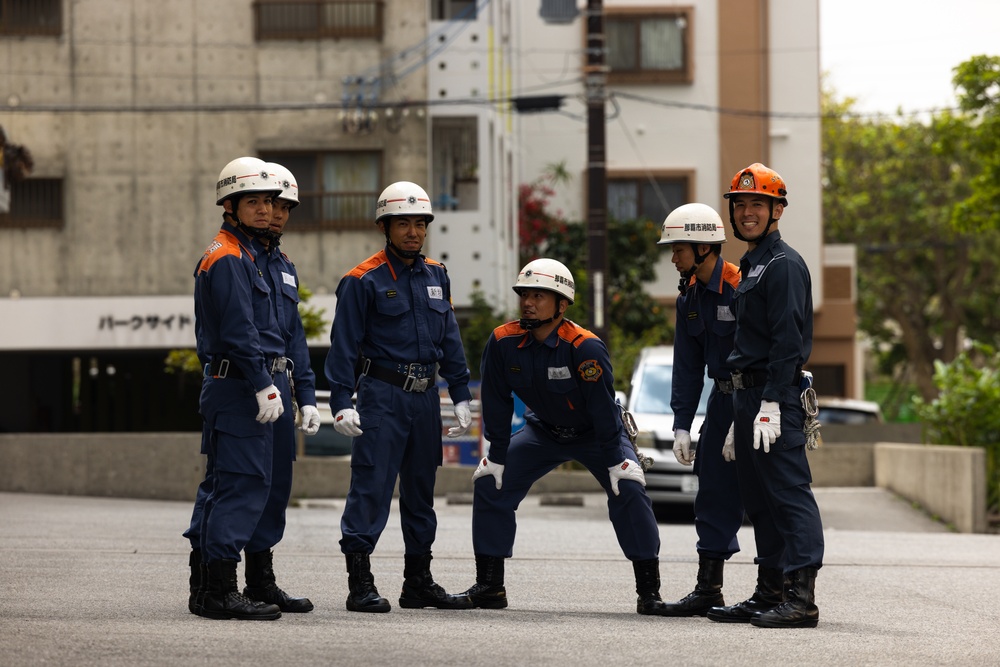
(774,328)
(240,344)
(563,374)
(704,339)
(394,326)
(282,279)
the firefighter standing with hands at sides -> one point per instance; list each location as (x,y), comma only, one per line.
(704,338)
(563,374)
(774,328)
(394,326)
(239,341)
(283,281)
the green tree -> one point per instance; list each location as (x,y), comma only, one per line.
(964,413)
(891,187)
(977,83)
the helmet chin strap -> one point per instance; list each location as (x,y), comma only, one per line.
(405,254)
(529,324)
(685,281)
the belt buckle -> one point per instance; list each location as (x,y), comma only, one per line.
(738,380)
(413,383)
(415,370)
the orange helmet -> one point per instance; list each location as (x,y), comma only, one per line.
(761,180)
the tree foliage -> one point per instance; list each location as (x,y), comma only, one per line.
(892,187)
(977,82)
(965,410)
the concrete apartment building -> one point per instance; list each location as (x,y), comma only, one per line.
(131,108)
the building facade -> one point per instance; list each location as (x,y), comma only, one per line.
(131,108)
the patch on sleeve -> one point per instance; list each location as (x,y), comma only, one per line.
(590,371)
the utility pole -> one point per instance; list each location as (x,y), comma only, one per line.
(596,73)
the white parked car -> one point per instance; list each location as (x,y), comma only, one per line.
(667,482)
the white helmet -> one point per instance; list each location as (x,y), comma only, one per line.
(243,175)
(403,198)
(693,223)
(289,188)
(547,274)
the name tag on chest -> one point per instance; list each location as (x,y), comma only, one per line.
(560,373)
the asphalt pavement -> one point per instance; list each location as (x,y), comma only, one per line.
(100,581)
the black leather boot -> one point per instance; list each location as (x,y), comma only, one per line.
(420,590)
(647,585)
(707,591)
(363,595)
(222,598)
(766,596)
(488,592)
(196,580)
(799,609)
(261,584)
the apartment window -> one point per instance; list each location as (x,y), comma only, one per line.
(650,196)
(318,19)
(35,203)
(337,189)
(455,163)
(30,17)
(649,46)
(453,10)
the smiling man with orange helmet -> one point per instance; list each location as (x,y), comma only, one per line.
(774,329)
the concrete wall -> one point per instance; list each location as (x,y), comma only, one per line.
(169,466)
(949,482)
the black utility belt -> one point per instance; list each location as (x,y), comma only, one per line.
(563,432)
(748,379)
(222,368)
(408,377)
(724,386)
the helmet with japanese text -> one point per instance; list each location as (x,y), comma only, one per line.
(693,223)
(547,274)
(285,179)
(244,175)
(760,180)
(403,198)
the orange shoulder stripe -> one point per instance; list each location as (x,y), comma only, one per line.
(373,262)
(731,274)
(574,334)
(508,329)
(223,245)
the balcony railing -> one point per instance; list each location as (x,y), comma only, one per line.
(343,211)
(318,19)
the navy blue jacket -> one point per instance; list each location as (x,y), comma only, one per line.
(774,314)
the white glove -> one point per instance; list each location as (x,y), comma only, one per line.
(464,415)
(729,447)
(626,470)
(767,425)
(682,447)
(487,467)
(269,402)
(310,420)
(348,422)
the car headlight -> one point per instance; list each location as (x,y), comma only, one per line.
(645,439)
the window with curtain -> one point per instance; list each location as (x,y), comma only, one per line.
(648,45)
